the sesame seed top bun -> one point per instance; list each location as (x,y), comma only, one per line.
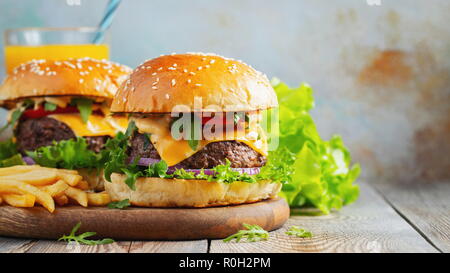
(222,85)
(71,77)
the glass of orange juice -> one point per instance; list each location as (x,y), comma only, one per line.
(25,44)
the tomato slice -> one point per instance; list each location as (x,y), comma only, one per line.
(40,112)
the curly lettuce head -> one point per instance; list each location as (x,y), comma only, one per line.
(320,172)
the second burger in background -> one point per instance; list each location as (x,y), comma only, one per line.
(59,112)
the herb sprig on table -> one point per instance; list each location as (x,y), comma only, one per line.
(252,233)
(299,232)
(82,238)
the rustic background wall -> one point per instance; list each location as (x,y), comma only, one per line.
(381,74)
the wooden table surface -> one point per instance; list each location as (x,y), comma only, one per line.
(386,218)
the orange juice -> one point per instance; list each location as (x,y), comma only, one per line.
(16,55)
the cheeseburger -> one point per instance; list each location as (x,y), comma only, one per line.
(54,101)
(195,137)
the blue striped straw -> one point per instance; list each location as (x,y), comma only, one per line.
(107,20)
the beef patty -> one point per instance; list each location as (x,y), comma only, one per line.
(239,154)
(34,133)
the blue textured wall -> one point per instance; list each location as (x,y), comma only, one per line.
(381,74)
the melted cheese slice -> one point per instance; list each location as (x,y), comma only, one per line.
(174,151)
(96,125)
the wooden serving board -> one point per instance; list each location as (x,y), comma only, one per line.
(142,223)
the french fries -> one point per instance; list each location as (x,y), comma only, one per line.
(18,187)
(24,186)
(34,177)
(77,195)
(70,178)
(61,200)
(56,189)
(16,170)
(98,199)
(20,200)
(82,185)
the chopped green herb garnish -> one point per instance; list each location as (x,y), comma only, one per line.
(193,143)
(130,129)
(84,106)
(48,106)
(16,114)
(147,141)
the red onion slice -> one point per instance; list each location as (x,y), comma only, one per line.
(145,161)
(28,160)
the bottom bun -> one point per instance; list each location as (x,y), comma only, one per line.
(159,192)
(94,178)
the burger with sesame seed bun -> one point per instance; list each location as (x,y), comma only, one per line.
(195,136)
(59,111)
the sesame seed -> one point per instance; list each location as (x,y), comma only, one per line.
(159,69)
(167,96)
(79,66)
(185,70)
(154,74)
(207,66)
(81,80)
(188,80)
(172,68)
(174,82)
(154,87)
(90,68)
(212,61)
(69,65)
(199,68)
(198,84)
(192,73)
(174,65)
(110,71)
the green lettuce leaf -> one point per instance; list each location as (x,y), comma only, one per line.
(7,149)
(318,173)
(12,161)
(68,154)
(9,156)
